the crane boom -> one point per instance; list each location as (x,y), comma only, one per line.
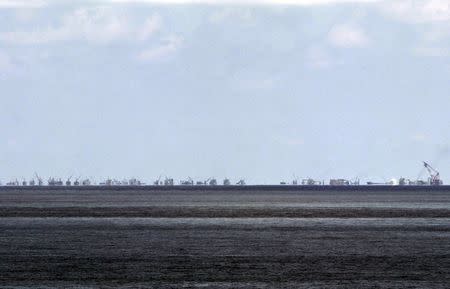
(430,168)
(434,175)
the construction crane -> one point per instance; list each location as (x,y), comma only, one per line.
(241,182)
(157,182)
(69,182)
(203,183)
(40,181)
(188,182)
(294,180)
(434,178)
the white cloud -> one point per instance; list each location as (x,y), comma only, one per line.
(248,2)
(232,13)
(347,36)
(150,26)
(96,25)
(417,11)
(38,3)
(168,47)
(431,18)
(21,3)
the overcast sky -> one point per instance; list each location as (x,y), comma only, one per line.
(260,90)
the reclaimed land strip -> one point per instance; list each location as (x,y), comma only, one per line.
(219,188)
(223,212)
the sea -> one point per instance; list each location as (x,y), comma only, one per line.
(224,239)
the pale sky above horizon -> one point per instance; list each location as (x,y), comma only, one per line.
(240,89)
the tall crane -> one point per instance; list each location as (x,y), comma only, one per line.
(69,182)
(434,179)
(40,181)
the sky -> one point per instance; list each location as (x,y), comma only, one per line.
(261,90)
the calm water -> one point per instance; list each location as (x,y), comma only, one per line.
(233,252)
(42,198)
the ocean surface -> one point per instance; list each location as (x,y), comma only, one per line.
(222,239)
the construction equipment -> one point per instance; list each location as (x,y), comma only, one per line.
(188,182)
(69,182)
(294,180)
(107,182)
(339,182)
(77,181)
(40,181)
(157,182)
(115,182)
(434,179)
(134,182)
(241,182)
(204,183)
(54,182)
(407,182)
(356,182)
(311,182)
(13,183)
(168,182)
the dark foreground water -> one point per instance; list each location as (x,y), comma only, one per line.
(224,240)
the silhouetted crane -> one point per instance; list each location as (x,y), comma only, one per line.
(434,178)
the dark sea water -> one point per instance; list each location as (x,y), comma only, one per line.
(200,239)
